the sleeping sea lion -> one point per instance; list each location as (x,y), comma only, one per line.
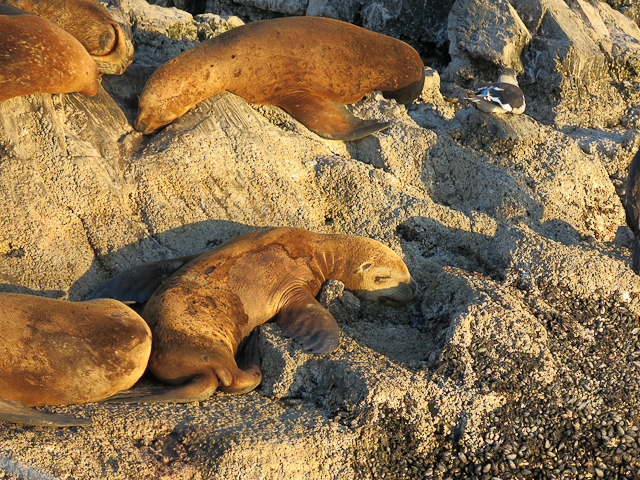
(37,56)
(309,66)
(54,352)
(91,24)
(204,312)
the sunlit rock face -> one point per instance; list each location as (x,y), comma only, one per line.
(524,329)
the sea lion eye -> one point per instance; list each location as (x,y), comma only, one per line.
(382,279)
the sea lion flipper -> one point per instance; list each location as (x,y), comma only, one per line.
(309,323)
(248,376)
(16,412)
(137,284)
(249,354)
(326,118)
(199,388)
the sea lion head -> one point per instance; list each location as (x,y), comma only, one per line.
(375,272)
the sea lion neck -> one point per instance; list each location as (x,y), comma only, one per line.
(329,261)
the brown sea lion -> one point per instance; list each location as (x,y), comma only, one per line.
(204,312)
(309,66)
(37,56)
(54,352)
(90,23)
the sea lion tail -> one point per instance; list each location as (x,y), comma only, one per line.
(137,284)
(16,412)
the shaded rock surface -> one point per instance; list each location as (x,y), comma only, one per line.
(519,356)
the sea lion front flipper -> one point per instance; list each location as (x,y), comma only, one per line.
(16,412)
(326,118)
(309,323)
(137,284)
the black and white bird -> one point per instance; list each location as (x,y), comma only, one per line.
(632,209)
(500,97)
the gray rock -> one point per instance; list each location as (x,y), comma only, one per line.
(423,23)
(288,7)
(568,50)
(491,32)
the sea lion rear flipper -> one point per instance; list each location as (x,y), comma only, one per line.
(249,354)
(326,118)
(137,284)
(198,389)
(16,412)
(309,323)
(248,376)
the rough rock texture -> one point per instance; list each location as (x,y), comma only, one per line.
(423,23)
(519,356)
(578,59)
(498,39)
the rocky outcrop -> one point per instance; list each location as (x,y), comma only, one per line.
(573,56)
(518,357)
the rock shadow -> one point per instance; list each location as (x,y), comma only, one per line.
(177,242)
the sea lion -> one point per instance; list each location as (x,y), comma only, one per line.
(37,56)
(91,24)
(205,311)
(632,209)
(309,66)
(54,352)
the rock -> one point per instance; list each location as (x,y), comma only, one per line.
(287,7)
(573,55)
(498,37)
(511,359)
(423,23)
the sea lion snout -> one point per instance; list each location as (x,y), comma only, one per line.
(140,126)
(396,296)
(143,128)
